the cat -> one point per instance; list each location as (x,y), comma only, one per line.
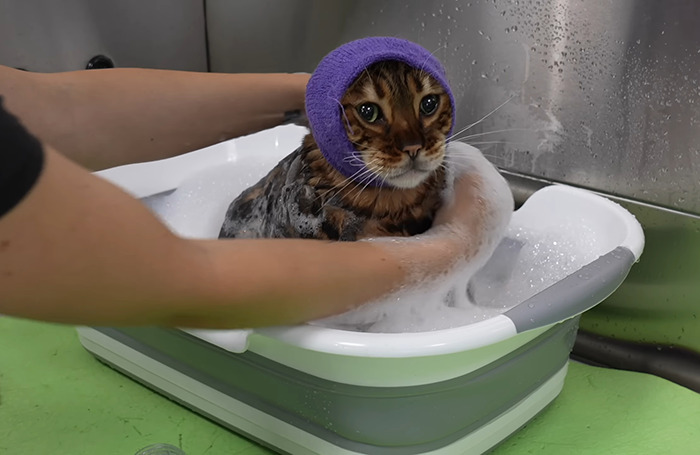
(398,117)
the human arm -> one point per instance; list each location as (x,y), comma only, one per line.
(152,114)
(78,250)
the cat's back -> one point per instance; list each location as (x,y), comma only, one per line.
(288,202)
(267,209)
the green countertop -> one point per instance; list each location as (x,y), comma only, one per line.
(55,398)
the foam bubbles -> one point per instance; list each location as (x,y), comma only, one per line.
(525,262)
(196,209)
(528,261)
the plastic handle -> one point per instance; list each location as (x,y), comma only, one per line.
(578,292)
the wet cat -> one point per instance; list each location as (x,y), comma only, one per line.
(398,118)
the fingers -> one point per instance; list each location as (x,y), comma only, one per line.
(478,203)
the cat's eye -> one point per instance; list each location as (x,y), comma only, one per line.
(370,112)
(429,104)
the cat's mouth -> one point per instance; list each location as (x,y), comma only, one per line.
(407,178)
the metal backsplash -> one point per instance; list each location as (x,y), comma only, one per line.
(49,35)
(599,94)
(604,95)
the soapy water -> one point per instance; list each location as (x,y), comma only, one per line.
(526,261)
(196,209)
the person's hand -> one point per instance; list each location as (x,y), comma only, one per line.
(476,212)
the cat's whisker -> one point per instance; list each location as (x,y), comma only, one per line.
(361,163)
(361,190)
(362,145)
(462,165)
(371,164)
(450,158)
(345,116)
(457,163)
(384,176)
(357,178)
(506,130)
(374,172)
(369,76)
(356,143)
(489,142)
(355,153)
(357,157)
(347,181)
(356,187)
(480,120)
(422,66)
(350,180)
(492,156)
(453,153)
(353,161)
(374,177)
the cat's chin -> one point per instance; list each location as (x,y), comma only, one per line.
(409,179)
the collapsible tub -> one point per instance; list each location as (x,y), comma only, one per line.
(315,390)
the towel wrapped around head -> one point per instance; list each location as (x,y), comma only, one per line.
(334,75)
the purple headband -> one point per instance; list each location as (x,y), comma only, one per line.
(334,75)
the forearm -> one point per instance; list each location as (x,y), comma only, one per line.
(77,250)
(105,118)
(293,281)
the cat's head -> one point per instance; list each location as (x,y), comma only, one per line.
(398,118)
(380,110)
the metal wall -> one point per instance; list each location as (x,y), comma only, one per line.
(600,94)
(49,35)
(604,95)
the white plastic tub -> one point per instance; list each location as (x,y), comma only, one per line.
(310,389)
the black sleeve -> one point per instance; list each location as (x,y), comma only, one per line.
(21,161)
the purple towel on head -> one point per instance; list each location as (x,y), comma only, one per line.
(336,73)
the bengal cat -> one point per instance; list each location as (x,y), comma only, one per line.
(398,117)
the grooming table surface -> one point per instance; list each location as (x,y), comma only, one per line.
(57,398)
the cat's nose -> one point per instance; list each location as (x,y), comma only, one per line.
(412,150)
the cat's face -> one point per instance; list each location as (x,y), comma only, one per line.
(398,118)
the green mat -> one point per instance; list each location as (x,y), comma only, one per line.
(55,398)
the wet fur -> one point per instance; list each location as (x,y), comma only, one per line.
(306,197)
